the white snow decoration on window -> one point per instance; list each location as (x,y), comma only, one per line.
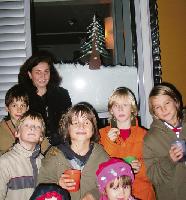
(95,86)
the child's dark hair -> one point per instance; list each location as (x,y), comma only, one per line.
(122,181)
(17,92)
(93,110)
(170,90)
(66,121)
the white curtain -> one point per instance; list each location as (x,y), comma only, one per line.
(145,63)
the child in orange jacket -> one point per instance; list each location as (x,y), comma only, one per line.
(125,138)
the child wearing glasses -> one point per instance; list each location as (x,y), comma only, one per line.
(124,138)
(19,166)
(79,151)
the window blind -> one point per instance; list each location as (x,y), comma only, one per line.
(15,43)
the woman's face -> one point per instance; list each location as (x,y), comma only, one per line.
(40,75)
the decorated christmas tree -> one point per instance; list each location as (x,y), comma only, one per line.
(95,44)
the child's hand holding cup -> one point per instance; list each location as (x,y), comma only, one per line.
(180,143)
(177,150)
(129,159)
(135,164)
(114,131)
(113,134)
(71,180)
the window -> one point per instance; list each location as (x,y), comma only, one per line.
(61,26)
(15,43)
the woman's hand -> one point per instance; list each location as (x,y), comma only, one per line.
(176,153)
(136,165)
(113,134)
(66,182)
(88,196)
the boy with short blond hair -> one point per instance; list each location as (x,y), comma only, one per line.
(16,104)
(19,167)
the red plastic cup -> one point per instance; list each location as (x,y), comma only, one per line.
(76,175)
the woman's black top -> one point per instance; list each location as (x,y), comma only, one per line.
(51,105)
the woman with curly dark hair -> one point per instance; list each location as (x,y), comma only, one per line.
(41,79)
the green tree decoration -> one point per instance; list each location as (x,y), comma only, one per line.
(95,44)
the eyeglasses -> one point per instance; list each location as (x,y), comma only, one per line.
(32,127)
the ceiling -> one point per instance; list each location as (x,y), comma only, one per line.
(65,22)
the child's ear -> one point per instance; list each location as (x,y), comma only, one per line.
(41,138)
(7,109)
(27,108)
(104,193)
(17,134)
(177,105)
(111,112)
(154,116)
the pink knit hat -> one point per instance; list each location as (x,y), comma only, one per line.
(110,170)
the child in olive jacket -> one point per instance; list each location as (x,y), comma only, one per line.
(164,160)
(79,151)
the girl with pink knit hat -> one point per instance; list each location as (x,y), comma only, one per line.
(115,178)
